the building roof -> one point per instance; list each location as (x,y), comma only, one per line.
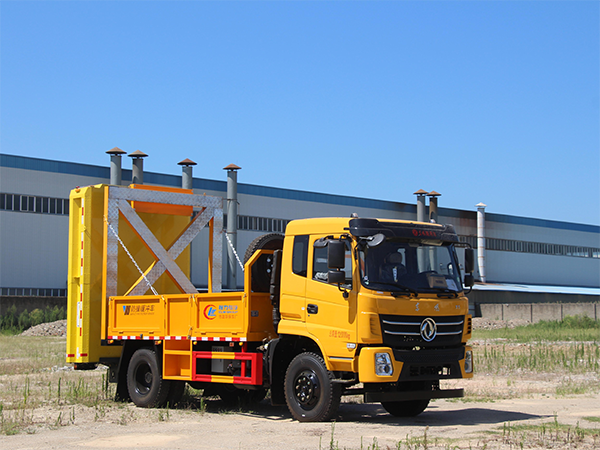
(46,165)
(536,289)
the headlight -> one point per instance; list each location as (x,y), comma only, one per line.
(469,361)
(383,364)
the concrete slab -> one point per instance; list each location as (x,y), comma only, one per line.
(516,311)
(579,309)
(546,311)
(491,311)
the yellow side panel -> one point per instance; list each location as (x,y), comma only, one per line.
(178,310)
(223,315)
(220,314)
(135,316)
(84,306)
(260,321)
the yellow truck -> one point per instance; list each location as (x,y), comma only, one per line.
(336,306)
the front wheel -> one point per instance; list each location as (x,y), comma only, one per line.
(145,383)
(310,393)
(409,408)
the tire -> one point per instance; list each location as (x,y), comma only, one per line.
(261,270)
(145,383)
(409,408)
(176,392)
(310,393)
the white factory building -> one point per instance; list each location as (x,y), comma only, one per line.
(558,257)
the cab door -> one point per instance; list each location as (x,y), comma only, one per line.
(293,285)
(330,317)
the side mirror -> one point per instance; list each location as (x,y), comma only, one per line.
(336,254)
(469,280)
(469,260)
(336,277)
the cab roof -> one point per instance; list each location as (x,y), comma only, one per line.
(363,227)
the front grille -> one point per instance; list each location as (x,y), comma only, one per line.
(405,331)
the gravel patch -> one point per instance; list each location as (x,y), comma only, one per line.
(480,323)
(58,328)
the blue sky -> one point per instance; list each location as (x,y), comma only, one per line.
(494,102)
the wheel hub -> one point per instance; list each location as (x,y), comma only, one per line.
(307,389)
(144,379)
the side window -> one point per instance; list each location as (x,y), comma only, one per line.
(320,268)
(299,255)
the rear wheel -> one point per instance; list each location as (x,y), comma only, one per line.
(310,393)
(145,383)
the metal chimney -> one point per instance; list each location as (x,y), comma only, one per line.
(433,206)
(421,212)
(137,169)
(186,173)
(115,165)
(481,240)
(232,203)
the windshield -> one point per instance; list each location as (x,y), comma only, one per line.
(410,267)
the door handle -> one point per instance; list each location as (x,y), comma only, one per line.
(312,309)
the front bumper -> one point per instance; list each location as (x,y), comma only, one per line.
(409,365)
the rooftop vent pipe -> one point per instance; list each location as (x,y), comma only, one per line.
(232,203)
(421,205)
(481,240)
(137,172)
(433,206)
(186,173)
(115,165)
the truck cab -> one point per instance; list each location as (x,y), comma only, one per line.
(380,303)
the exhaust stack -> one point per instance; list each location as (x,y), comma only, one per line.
(433,206)
(232,203)
(481,240)
(137,172)
(421,211)
(115,165)
(187,180)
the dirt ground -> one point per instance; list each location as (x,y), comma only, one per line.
(448,425)
(499,412)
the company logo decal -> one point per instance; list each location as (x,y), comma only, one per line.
(210,312)
(428,329)
(138,310)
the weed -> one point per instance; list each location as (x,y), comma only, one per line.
(13,323)
(163,415)
(546,435)
(572,328)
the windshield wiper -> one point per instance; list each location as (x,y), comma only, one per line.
(398,288)
(447,293)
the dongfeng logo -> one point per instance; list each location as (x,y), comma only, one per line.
(428,329)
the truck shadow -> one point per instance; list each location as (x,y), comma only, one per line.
(433,416)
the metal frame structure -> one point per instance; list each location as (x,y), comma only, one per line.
(117,202)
